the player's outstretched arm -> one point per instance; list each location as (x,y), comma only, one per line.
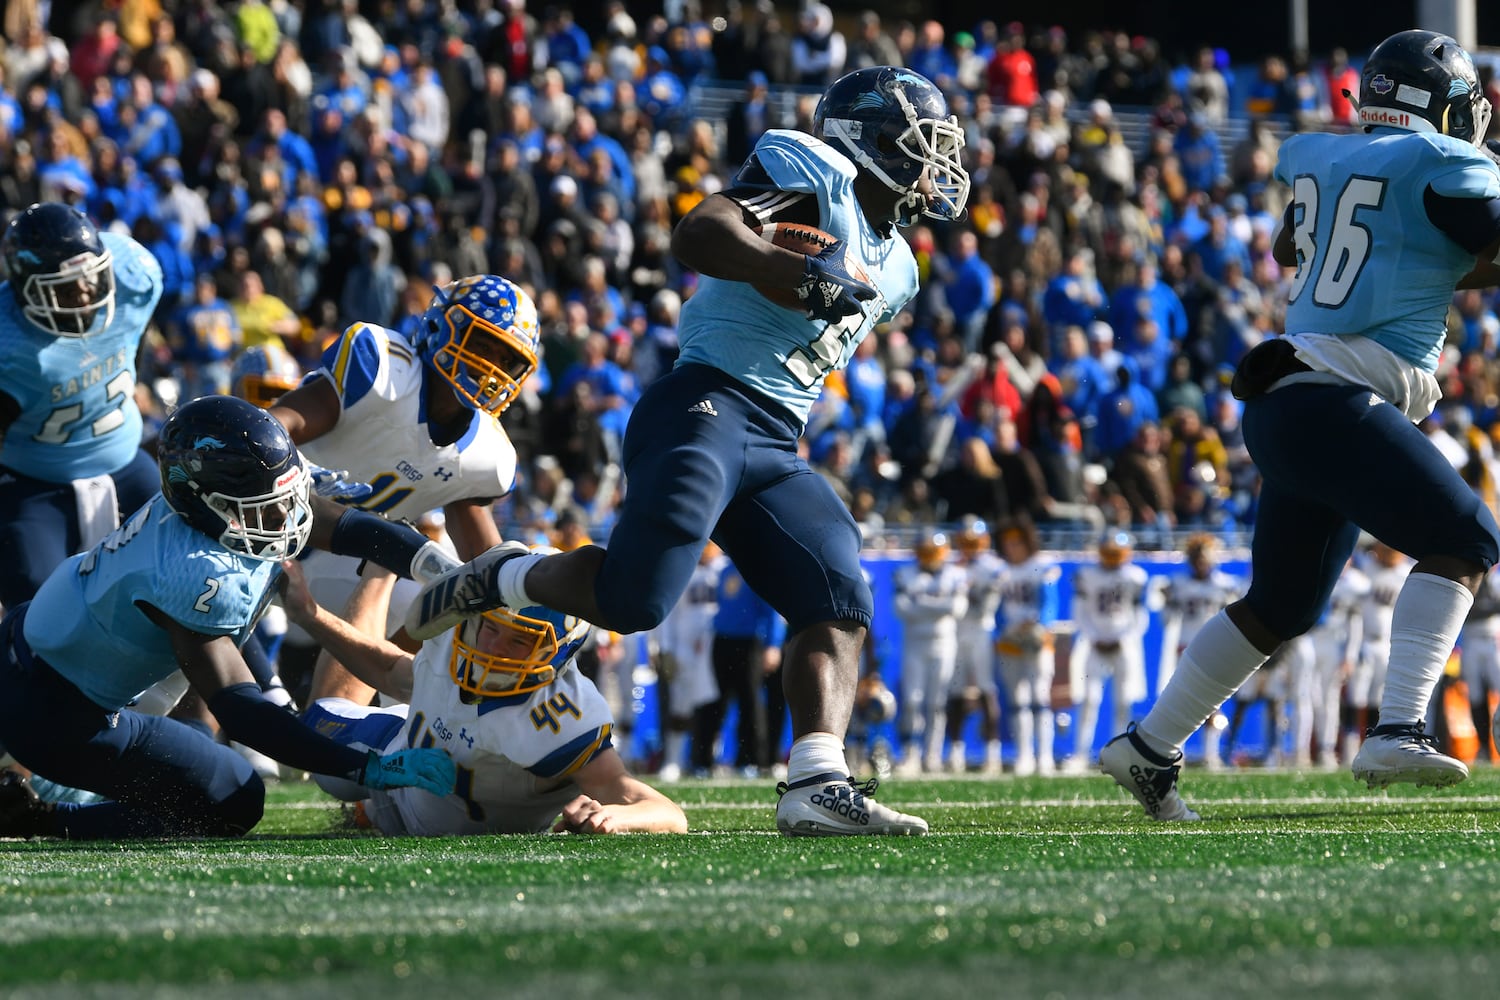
(615,801)
(309,411)
(218,673)
(355,646)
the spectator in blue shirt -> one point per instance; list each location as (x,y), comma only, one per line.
(1198,152)
(1073,298)
(747,645)
(970,289)
(1122,411)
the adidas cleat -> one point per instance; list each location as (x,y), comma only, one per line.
(1152,779)
(1405,754)
(462,592)
(835,805)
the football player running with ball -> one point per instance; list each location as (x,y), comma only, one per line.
(1382,226)
(711,448)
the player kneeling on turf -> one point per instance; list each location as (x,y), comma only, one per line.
(502,694)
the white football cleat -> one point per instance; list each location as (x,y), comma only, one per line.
(834,805)
(1392,754)
(1151,778)
(464,591)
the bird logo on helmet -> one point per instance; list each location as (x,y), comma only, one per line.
(59,270)
(1423,81)
(481,335)
(1115,549)
(894,124)
(263,374)
(508,652)
(232,472)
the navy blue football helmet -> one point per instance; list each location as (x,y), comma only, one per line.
(893,123)
(1423,81)
(59,270)
(231,470)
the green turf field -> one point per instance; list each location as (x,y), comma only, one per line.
(1297,885)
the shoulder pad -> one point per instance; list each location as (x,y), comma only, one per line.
(796,161)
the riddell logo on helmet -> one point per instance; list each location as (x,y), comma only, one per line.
(1385,116)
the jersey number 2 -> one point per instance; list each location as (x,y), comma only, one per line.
(1349,239)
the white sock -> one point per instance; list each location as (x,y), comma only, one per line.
(511,580)
(1214,665)
(1429,613)
(814,754)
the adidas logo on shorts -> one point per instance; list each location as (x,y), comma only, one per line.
(703,406)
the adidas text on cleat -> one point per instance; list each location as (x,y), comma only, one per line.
(462,592)
(835,805)
(1151,778)
(1405,754)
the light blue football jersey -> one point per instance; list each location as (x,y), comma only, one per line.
(77,394)
(779,352)
(1370,261)
(85,623)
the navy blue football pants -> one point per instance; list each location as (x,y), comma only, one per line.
(39,523)
(1334,459)
(163,778)
(727,470)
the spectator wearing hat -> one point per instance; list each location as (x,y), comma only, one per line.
(818,50)
(177,204)
(660,93)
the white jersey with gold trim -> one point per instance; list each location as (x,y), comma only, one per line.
(382,437)
(515,755)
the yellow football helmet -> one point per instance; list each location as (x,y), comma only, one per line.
(1202,550)
(974,537)
(480,335)
(506,652)
(1115,549)
(933,551)
(263,374)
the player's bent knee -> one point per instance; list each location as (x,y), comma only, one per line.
(238,813)
(631,613)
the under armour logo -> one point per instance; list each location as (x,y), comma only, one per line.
(463,734)
(703,406)
(442,474)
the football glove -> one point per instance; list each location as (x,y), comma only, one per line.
(337,486)
(828,291)
(427,768)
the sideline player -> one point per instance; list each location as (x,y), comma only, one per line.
(711,449)
(1330,411)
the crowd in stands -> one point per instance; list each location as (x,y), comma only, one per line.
(297,167)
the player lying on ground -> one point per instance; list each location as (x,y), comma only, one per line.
(502,694)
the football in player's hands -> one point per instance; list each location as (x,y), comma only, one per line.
(833,263)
